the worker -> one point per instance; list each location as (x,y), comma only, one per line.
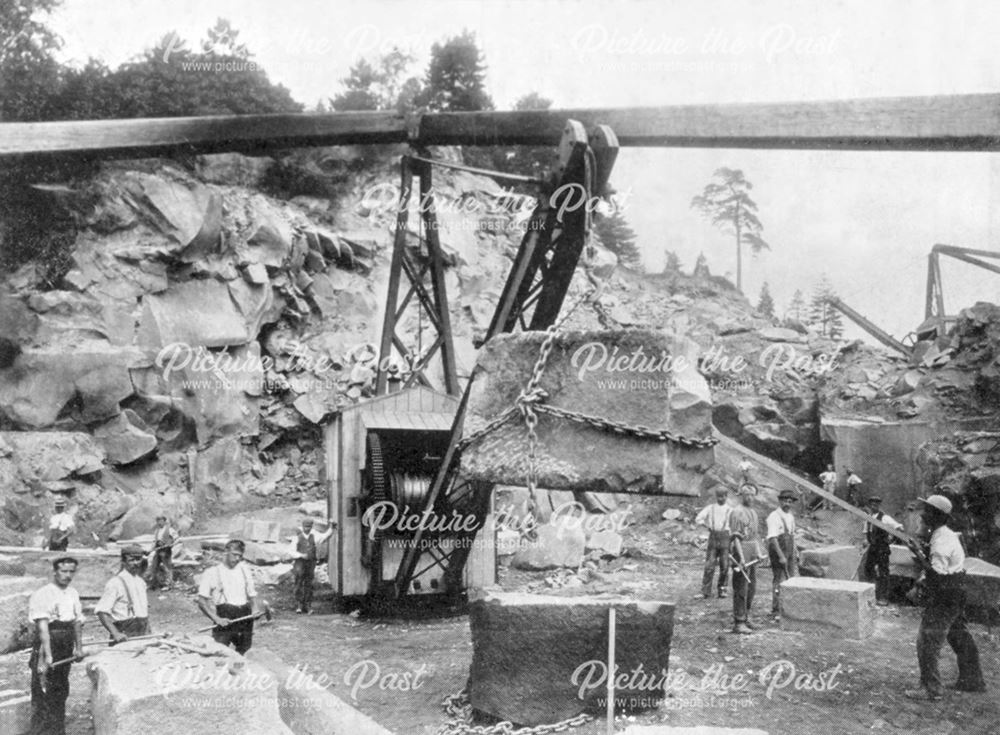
(744,544)
(853,488)
(715,517)
(162,556)
(61,527)
(124,608)
(57,616)
(829,480)
(944,608)
(303,550)
(746,468)
(781,547)
(227,593)
(877,549)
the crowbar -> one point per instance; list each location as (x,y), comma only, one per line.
(265,613)
(109,643)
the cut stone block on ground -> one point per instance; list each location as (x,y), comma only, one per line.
(610,375)
(830,562)
(168,690)
(540,659)
(834,606)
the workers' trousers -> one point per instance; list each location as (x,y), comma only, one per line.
(304,572)
(48,706)
(877,570)
(716,554)
(743,592)
(944,619)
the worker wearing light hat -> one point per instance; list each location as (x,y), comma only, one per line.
(781,547)
(944,611)
(61,527)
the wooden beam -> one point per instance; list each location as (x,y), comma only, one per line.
(159,136)
(944,123)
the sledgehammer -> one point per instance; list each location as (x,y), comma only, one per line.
(264,613)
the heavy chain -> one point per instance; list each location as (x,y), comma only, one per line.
(622,428)
(459,712)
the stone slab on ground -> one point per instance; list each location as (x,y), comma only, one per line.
(539,659)
(982,583)
(830,562)
(313,710)
(697,730)
(15,628)
(592,373)
(835,606)
(166,690)
(901,563)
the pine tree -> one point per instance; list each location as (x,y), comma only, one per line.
(822,316)
(726,203)
(456,76)
(766,304)
(701,267)
(617,236)
(797,307)
(673,263)
(378,85)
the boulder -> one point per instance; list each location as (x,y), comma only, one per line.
(539,659)
(265,554)
(186,211)
(197,313)
(15,628)
(271,242)
(555,546)
(181,691)
(608,543)
(830,562)
(621,377)
(125,438)
(50,456)
(828,606)
(780,334)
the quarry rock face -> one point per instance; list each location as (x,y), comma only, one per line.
(621,377)
(15,629)
(538,659)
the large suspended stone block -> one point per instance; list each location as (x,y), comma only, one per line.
(633,377)
(168,690)
(539,659)
(835,606)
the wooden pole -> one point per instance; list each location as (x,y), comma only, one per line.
(611,670)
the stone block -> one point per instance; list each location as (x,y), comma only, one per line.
(539,659)
(178,691)
(621,376)
(830,562)
(311,709)
(901,563)
(555,545)
(15,628)
(608,543)
(256,530)
(840,607)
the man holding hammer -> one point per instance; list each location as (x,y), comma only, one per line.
(744,540)
(57,615)
(228,598)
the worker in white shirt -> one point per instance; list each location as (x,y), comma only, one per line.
(715,517)
(227,593)
(746,468)
(304,551)
(944,610)
(124,607)
(57,616)
(829,480)
(877,549)
(781,546)
(161,558)
(61,527)
(853,488)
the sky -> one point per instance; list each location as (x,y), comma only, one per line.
(866,221)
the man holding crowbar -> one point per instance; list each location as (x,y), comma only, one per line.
(228,598)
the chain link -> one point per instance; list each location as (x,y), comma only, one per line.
(459,712)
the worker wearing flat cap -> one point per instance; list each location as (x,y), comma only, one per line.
(61,527)
(944,609)
(781,546)
(124,608)
(227,596)
(877,551)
